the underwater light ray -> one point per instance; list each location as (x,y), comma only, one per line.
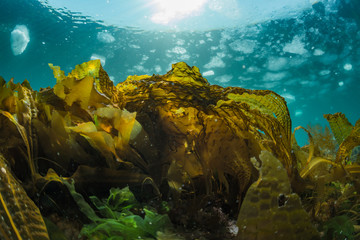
(170,10)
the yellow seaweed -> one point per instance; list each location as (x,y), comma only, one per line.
(340,126)
(311,143)
(270,210)
(20,217)
(87,70)
(208,130)
(180,129)
(348,144)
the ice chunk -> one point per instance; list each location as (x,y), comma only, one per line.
(180,42)
(296,61)
(105,37)
(348,66)
(298,112)
(144,58)
(134,46)
(296,46)
(277,63)
(288,97)
(178,50)
(224,78)
(253,69)
(318,52)
(96,56)
(157,68)
(19,39)
(244,46)
(208,73)
(215,62)
(269,76)
(140,68)
(324,72)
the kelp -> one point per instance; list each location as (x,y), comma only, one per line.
(17,105)
(340,126)
(347,135)
(84,73)
(88,97)
(20,217)
(350,138)
(331,176)
(270,210)
(194,124)
(324,142)
(172,131)
(46,126)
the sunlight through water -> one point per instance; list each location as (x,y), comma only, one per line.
(169,10)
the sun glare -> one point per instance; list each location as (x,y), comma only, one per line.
(170,10)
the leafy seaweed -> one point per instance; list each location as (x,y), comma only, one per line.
(117,221)
(339,227)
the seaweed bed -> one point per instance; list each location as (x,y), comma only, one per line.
(169,157)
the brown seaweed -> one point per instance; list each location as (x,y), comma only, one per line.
(20,217)
(270,210)
(174,131)
(205,129)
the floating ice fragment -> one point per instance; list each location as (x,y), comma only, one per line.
(224,78)
(105,37)
(324,72)
(134,46)
(318,52)
(139,68)
(180,42)
(347,66)
(19,39)
(157,68)
(208,73)
(144,58)
(269,76)
(96,56)
(296,46)
(178,50)
(253,69)
(298,112)
(288,97)
(341,83)
(245,46)
(277,63)
(215,62)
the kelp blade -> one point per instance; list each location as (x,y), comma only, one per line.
(20,217)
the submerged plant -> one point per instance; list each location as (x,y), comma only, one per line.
(189,139)
(270,210)
(339,227)
(117,219)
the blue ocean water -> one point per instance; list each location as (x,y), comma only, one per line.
(310,57)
